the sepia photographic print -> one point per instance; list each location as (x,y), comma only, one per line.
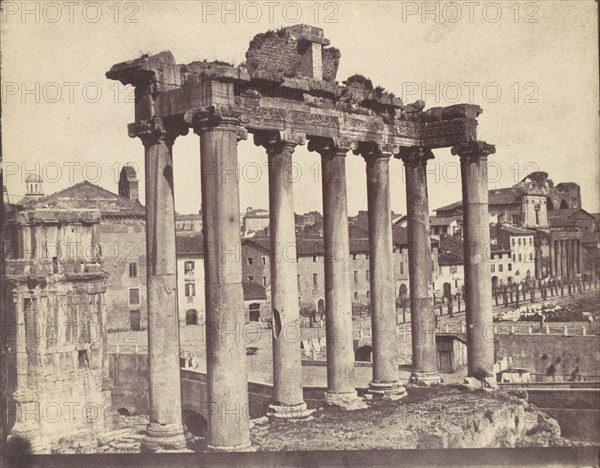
(299,233)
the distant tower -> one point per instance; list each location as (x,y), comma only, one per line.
(33,184)
(129,184)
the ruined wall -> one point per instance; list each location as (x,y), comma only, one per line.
(129,373)
(279,52)
(538,352)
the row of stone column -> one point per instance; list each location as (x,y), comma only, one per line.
(219,131)
(565,257)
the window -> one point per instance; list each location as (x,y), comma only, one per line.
(264,260)
(356,277)
(531,257)
(355,296)
(537,214)
(514,257)
(367,256)
(298,278)
(315,280)
(513,241)
(530,240)
(250,260)
(134,320)
(515,219)
(191,317)
(510,267)
(190,290)
(368,275)
(519,241)
(134,296)
(353,256)
(250,278)
(314,258)
(500,268)
(520,257)
(133,270)
(493,268)
(188,267)
(264,280)
(401,268)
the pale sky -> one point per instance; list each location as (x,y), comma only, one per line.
(546,117)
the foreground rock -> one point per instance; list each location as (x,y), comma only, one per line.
(436,417)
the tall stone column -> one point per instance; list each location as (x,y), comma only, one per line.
(579,257)
(563,258)
(551,264)
(424,352)
(288,399)
(227,394)
(381,264)
(165,430)
(338,295)
(478,295)
(574,256)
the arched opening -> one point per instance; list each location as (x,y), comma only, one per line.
(194,423)
(254,312)
(447,290)
(550,204)
(191,317)
(494,283)
(363,353)
(123,412)
(564,205)
(321,308)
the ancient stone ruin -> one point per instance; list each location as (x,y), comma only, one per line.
(287,95)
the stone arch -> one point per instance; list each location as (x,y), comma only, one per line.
(321,308)
(194,423)
(363,353)
(564,205)
(191,317)
(550,204)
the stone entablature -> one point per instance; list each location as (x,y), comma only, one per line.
(295,103)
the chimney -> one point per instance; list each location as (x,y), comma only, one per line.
(129,184)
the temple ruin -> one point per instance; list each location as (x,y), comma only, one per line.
(286,95)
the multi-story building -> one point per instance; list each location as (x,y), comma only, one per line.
(254,220)
(190,278)
(520,243)
(188,222)
(310,267)
(55,315)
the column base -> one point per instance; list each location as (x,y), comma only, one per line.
(161,437)
(346,400)
(231,448)
(425,379)
(387,390)
(283,411)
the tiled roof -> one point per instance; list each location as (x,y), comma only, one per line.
(517,231)
(568,213)
(562,222)
(435,221)
(253,291)
(189,243)
(503,196)
(450,251)
(87,196)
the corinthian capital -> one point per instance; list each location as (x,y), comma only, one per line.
(374,150)
(275,142)
(332,146)
(473,150)
(224,117)
(156,129)
(415,155)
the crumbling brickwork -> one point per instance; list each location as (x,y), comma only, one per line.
(285,51)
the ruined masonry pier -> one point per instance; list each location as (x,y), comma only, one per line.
(286,95)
